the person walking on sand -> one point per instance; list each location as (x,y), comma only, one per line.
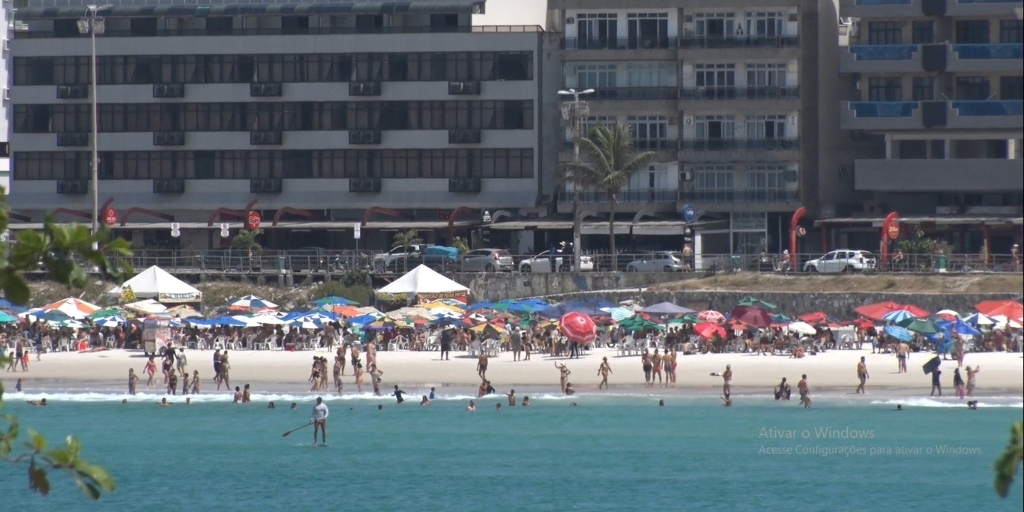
(656,362)
(319,420)
(339,366)
(151,370)
(936,383)
(184,383)
(225,368)
(481,365)
(645,361)
(862,375)
(182,361)
(216,367)
(958,383)
(516,343)
(195,382)
(375,374)
(357,372)
(970,379)
(604,370)
(564,375)
(805,391)
(902,354)
(727,380)
(133,381)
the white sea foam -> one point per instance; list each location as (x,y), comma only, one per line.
(279,399)
(931,402)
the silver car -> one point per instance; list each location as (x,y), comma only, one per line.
(843,260)
(487,260)
(657,262)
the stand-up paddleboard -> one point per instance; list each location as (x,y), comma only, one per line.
(931,365)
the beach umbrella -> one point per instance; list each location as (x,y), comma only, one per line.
(754,302)
(898,315)
(961,328)
(147,307)
(71,324)
(1009,308)
(6,319)
(948,314)
(619,313)
(267,320)
(110,321)
(230,321)
(639,323)
(480,305)
(711,316)
(489,329)
(1002,322)
(183,311)
(802,328)
(814,318)
(667,308)
(709,330)
(102,313)
(334,300)
(752,316)
(578,327)
(72,307)
(877,311)
(979,319)
(900,333)
(251,303)
(921,326)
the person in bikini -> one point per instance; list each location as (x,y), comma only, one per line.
(225,368)
(564,377)
(481,365)
(184,383)
(246,394)
(604,370)
(648,366)
(195,382)
(339,366)
(151,370)
(133,381)
(656,362)
(727,381)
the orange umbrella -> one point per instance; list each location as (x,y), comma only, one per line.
(1009,308)
(709,330)
(346,311)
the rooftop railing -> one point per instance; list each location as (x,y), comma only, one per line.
(884,52)
(884,108)
(989,51)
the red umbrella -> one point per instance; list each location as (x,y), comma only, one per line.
(709,330)
(813,318)
(878,310)
(578,327)
(756,317)
(1009,308)
(711,316)
(863,324)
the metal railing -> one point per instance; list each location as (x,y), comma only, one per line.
(738,41)
(625,196)
(630,93)
(629,43)
(747,196)
(195,32)
(731,144)
(739,93)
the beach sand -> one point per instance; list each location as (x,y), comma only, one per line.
(1001,374)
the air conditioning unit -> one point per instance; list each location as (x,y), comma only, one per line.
(265,138)
(72,92)
(175,186)
(77,187)
(175,90)
(168,138)
(73,139)
(266,186)
(364,89)
(364,185)
(471,88)
(464,136)
(265,89)
(464,185)
(364,137)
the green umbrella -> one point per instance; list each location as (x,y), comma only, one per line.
(922,326)
(754,302)
(6,319)
(640,323)
(103,313)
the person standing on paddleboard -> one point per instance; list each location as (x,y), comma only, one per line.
(319,419)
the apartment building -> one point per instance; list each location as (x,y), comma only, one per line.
(940,81)
(724,92)
(322,112)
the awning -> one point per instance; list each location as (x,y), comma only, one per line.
(255,9)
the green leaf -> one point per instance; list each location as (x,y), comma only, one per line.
(38,442)
(89,489)
(59,458)
(37,479)
(97,475)
(74,448)
(1007,463)
(14,286)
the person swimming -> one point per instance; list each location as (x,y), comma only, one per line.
(471,407)
(526,401)
(40,403)
(271,406)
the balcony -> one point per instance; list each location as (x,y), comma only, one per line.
(880,115)
(414,29)
(632,43)
(779,144)
(987,114)
(982,8)
(740,195)
(629,200)
(915,115)
(968,175)
(985,58)
(739,93)
(894,58)
(630,93)
(881,8)
(739,42)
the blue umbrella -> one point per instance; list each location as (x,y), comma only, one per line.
(900,333)
(898,316)
(363,320)
(227,321)
(961,327)
(334,301)
(480,305)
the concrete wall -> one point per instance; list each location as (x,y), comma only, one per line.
(516,285)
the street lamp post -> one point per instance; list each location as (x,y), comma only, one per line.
(92,25)
(574,112)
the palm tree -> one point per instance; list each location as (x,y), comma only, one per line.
(612,162)
(405,240)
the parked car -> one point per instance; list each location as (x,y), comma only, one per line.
(387,260)
(487,260)
(541,263)
(657,262)
(842,260)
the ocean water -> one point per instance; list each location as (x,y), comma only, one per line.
(606,453)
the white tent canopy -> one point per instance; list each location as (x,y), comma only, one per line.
(423,284)
(156,283)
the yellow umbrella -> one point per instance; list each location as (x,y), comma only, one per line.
(488,328)
(441,305)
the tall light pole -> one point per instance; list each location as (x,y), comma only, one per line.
(92,25)
(574,112)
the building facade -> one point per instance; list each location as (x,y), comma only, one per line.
(724,92)
(318,109)
(939,85)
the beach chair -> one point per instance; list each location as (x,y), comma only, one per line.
(626,346)
(403,344)
(474,348)
(393,345)
(433,343)
(493,348)
(251,341)
(218,343)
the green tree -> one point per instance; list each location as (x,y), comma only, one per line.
(247,240)
(461,244)
(405,240)
(58,249)
(612,163)
(1009,462)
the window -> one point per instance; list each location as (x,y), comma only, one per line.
(593,121)
(369,23)
(34,71)
(716,25)
(766,75)
(766,126)
(1011,87)
(647,30)
(143,27)
(1011,31)
(444,22)
(885,89)
(885,32)
(766,177)
(713,76)
(972,32)
(972,88)
(596,30)
(716,127)
(594,76)
(923,32)
(514,66)
(714,177)
(765,24)
(219,25)
(649,132)
(923,88)
(650,74)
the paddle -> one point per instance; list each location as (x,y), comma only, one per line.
(286,434)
